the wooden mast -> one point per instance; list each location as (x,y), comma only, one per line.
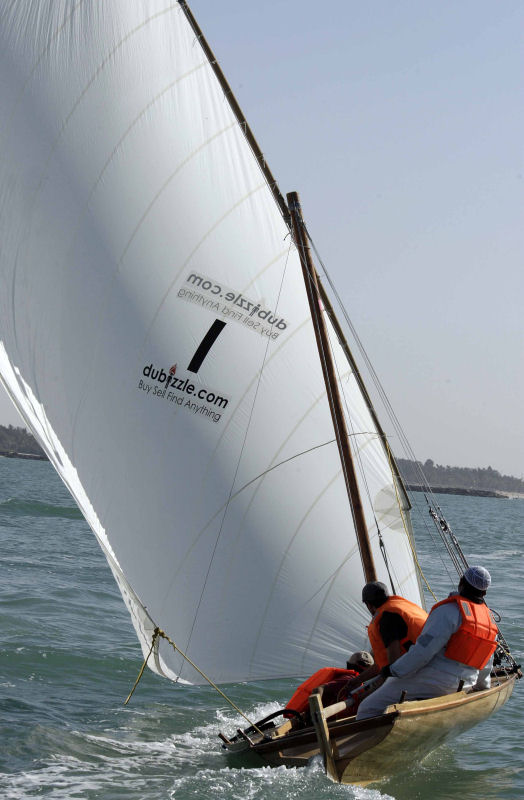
(328,371)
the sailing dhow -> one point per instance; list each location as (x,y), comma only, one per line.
(157,337)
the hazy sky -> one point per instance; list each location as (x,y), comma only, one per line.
(400,124)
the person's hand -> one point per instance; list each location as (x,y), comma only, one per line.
(351,684)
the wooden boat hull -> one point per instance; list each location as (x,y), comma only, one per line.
(370,750)
(419,728)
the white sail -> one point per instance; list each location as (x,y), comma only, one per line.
(135,222)
(386,507)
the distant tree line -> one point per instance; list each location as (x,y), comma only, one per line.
(18,440)
(484,478)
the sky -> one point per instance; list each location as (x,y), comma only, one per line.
(400,124)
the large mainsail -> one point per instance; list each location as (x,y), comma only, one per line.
(155,334)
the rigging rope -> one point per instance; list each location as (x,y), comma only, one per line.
(443,528)
(158,633)
(411,544)
(385,400)
(449,539)
(358,456)
(359,459)
(385,557)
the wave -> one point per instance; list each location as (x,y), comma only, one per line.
(495,555)
(179,765)
(33,508)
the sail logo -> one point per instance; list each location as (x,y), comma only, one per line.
(181,391)
(232,305)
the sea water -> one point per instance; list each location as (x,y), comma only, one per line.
(69,657)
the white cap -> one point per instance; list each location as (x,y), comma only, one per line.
(478,577)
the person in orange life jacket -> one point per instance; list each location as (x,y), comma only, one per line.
(331,681)
(395,625)
(457,644)
(336,690)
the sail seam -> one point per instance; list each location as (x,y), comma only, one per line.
(85,90)
(248,426)
(274,354)
(130,127)
(180,166)
(195,249)
(76,103)
(280,464)
(162,189)
(296,532)
(255,378)
(42,54)
(296,455)
(331,580)
(362,472)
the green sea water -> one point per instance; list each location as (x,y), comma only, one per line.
(69,657)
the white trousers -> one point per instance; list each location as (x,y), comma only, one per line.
(423,685)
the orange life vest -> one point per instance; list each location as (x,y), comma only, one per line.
(414,616)
(476,640)
(299,701)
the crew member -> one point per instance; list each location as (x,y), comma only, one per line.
(456,645)
(333,683)
(337,689)
(395,625)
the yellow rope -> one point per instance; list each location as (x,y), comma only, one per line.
(158,632)
(144,665)
(414,552)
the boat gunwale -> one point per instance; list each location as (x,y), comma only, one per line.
(441,703)
(337,728)
(391,716)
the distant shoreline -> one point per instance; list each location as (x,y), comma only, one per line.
(26,456)
(467,492)
(412,487)
(472,481)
